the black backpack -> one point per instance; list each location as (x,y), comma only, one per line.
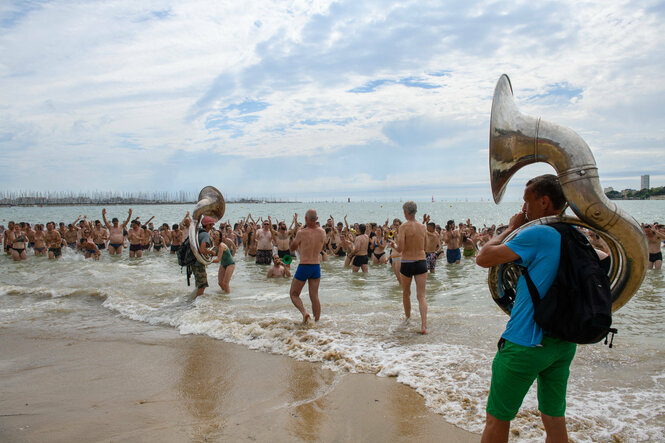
(186,257)
(578,306)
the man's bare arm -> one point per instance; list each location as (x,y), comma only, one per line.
(129,216)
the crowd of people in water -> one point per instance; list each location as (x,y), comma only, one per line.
(268,241)
(275,243)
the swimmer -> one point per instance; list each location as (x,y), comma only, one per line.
(264,246)
(100,235)
(226,266)
(176,238)
(53,241)
(360,247)
(71,236)
(411,244)
(39,245)
(432,244)
(135,237)
(278,269)
(19,242)
(654,238)
(282,238)
(158,239)
(89,249)
(379,242)
(116,235)
(469,240)
(452,238)
(309,242)
(7,236)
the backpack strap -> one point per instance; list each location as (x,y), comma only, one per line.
(535,296)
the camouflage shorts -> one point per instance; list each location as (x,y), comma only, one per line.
(200,275)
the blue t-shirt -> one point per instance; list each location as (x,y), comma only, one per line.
(539,248)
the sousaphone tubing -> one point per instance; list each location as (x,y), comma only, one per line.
(210,202)
(517,140)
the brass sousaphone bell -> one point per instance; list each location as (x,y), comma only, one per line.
(517,140)
(210,202)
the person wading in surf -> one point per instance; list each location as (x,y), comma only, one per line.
(525,353)
(309,242)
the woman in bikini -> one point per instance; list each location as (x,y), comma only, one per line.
(40,241)
(379,254)
(19,242)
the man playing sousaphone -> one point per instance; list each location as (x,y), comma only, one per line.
(524,352)
(205,248)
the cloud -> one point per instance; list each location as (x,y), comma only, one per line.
(324,98)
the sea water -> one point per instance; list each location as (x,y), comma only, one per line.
(614,393)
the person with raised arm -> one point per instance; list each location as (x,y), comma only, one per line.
(116,232)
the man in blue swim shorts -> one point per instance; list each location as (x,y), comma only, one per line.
(453,239)
(309,242)
(525,354)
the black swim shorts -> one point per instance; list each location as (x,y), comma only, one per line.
(359,260)
(411,268)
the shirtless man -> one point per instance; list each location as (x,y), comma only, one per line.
(278,269)
(89,248)
(116,234)
(452,238)
(30,233)
(432,244)
(654,238)
(282,238)
(264,245)
(411,244)
(9,232)
(135,237)
(146,242)
(469,240)
(309,242)
(360,250)
(71,236)
(100,235)
(176,238)
(53,241)
(62,228)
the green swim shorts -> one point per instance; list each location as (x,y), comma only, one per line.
(515,368)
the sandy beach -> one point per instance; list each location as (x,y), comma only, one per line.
(124,381)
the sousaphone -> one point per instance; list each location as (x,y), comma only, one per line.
(517,140)
(210,202)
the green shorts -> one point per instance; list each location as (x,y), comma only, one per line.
(200,275)
(515,368)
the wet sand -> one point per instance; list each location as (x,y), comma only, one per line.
(125,381)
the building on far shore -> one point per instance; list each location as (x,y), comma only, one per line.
(608,189)
(644,181)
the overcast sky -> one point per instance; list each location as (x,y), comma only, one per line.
(318,99)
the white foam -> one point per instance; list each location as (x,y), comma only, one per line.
(362,330)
